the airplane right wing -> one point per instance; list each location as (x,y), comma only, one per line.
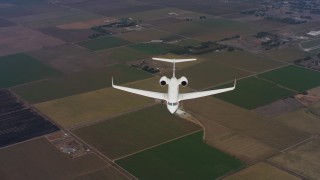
(150,94)
(194,95)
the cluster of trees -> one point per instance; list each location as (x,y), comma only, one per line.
(101,31)
(145,67)
(287,20)
(203,48)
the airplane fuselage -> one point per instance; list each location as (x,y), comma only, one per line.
(173,95)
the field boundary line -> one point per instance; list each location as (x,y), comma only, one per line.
(299,143)
(251,75)
(151,147)
(25,141)
(91,171)
(104,157)
(285,170)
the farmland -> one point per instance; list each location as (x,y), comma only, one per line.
(154,48)
(293,77)
(253,92)
(188,42)
(303,159)
(286,54)
(103,43)
(61,119)
(21,68)
(210,73)
(91,106)
(247,149)
(78,83)
(158,13)
(144,35)
(213,29)
(172,161)
(243,60)
(25,160)
(17,39)
(261,171)
(73,35)
(310,44)
(213,8)
(271,133)
(18,123)
(119,55)
(70,58)
(105,173)
(132,132)
(53,18)
(302,119)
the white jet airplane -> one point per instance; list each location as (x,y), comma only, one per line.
(173,96)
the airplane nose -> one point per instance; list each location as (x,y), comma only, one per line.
(172,109)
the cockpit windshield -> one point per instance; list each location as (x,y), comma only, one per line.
(173,104)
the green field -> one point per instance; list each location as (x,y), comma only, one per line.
(310,44)
(252,92)
(103,43)
(157,13)
(132,132)
(145,35)
(210,73)
(122,54)
(287,54)
(185,158)
(91,106)
(21,68)
(78,83)
(243,60)
(294,77)
(189,42)
(211,29)
(154,48)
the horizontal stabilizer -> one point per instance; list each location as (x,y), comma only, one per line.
(173,60)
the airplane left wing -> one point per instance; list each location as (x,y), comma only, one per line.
(194,95)
(150,94)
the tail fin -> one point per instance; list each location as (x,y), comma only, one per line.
(174,61)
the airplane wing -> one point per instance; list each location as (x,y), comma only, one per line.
(194,95)
(150,94)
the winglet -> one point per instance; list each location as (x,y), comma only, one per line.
(112,81)
(235,83)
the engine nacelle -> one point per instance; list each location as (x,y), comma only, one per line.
(164,81)
(183,81)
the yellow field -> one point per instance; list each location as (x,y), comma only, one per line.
(247,149)
(244,148)
(301,119)
(287,54)
(243,60)
(94,105)
(247,123)
(304,159)
(261,171)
